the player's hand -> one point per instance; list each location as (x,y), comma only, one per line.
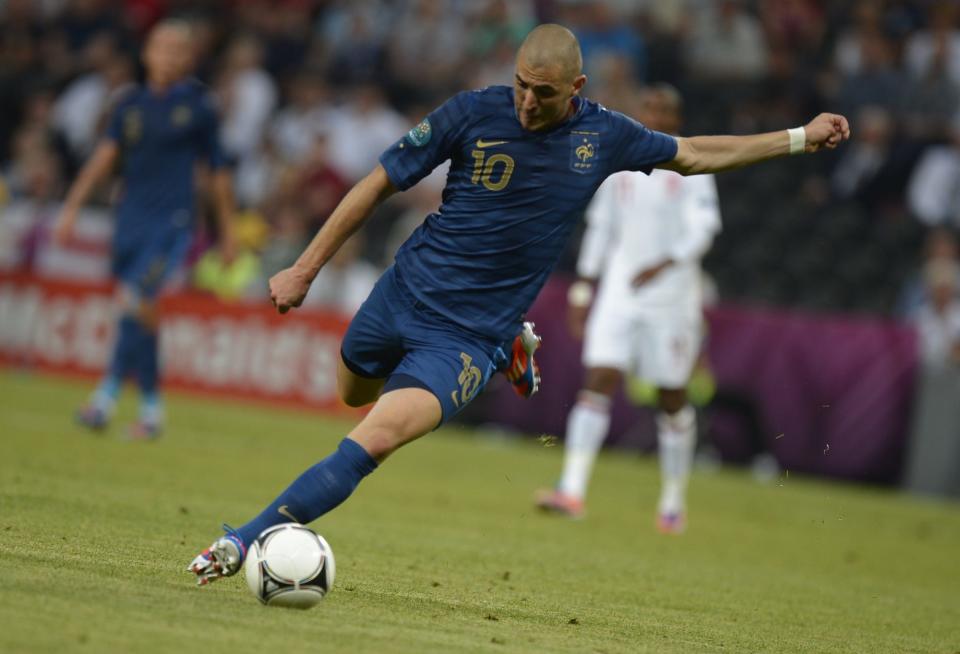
(650,273)
(826,131)
(288,288)
(63,228)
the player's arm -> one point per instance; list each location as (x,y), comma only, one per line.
(289,287)
(97,169)
(711,154)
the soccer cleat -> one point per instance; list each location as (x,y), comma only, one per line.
(92,417)
(554,501)
(523,371)
(142,430)
(222,559)
(671,523)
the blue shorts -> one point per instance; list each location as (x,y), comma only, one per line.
(397,337)
(143,264)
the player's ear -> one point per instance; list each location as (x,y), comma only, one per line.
(578,83)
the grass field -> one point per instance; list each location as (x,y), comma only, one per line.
(439,551)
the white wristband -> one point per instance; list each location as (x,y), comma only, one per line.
(798,140)
(580,294)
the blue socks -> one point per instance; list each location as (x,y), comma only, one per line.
(318,490)
(148,369)
(122,362)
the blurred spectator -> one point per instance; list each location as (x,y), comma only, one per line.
(242,277)
(351,41)
(603,34)
(81,108)
(499,24)
(934,188)
(317,184)
(726,43)
(426,46)
(305,117)
(288,237)
(26,221)
(249,95)
(796,25)
(84,19)
(938,46)
(861,163)
(938,321)
(866,25)
(34,137)
(876,81)
(931,96)
(284,27)
(361,130)
(345,282)
(941,246)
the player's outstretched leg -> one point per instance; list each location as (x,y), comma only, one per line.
(397,418)
(99,409)
(676,436)
(522,370)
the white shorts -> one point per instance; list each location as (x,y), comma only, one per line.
(660,347)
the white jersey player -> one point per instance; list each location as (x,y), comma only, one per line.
(644,241)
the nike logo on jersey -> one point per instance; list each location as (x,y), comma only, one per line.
(486,144)
(282,510)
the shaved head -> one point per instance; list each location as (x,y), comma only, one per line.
(553,46)
(548,76)
(168,53)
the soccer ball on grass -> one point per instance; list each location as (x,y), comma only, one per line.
(289,565)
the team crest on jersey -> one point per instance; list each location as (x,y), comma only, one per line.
(420,135)
(132,126)
(181,115)
(584,147)
(469,379)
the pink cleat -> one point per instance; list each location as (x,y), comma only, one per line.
(553,501)
(143,431)
(671,523)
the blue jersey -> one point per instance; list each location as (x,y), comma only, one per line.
(511,200)
(161,138)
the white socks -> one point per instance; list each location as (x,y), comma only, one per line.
(676,435)
(587,428)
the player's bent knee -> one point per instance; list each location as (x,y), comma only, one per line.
(356,391)
(672,399)
(399,417)
(604,381)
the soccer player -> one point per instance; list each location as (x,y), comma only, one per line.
(156,135)
(644,239)
(524,164)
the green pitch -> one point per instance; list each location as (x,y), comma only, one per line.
(439,551)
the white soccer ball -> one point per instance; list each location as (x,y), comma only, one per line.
(289,565)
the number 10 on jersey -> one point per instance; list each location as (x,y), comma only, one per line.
(485,169)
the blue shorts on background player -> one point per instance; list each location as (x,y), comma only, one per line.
(157,133)
(524,164)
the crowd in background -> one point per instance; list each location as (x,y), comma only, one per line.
(312,91)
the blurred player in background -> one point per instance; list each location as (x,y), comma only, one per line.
(524,164)
(158,134)
(644,240)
